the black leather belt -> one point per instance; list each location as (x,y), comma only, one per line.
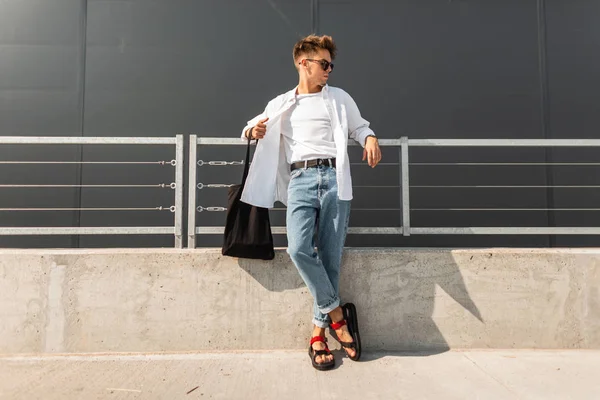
(328,162)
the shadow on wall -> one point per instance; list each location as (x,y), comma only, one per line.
(277,275)
(395,293)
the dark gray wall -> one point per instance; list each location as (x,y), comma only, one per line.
(40,95)
(438,69)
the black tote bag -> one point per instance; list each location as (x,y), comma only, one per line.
(248,228)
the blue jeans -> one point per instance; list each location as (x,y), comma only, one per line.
(316,216)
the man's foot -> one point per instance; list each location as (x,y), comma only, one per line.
(344,336)
(321,359)
(324,362)
(346,329)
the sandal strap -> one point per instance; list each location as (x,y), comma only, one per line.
(324,352)
(338,325)
(316,339)
(348,345)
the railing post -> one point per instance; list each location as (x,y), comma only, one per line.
(405,186)
(192,182)
(179,191)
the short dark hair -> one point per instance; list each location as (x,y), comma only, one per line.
(312,43)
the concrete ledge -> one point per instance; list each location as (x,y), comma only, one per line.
(164,300)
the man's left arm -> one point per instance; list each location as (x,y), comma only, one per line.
(358,129)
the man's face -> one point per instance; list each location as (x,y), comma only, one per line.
(313,65)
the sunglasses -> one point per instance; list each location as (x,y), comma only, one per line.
(324,63)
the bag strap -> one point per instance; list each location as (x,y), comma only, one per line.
(247,163)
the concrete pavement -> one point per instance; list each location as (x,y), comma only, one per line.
(490,375)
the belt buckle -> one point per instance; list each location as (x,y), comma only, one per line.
(319,162)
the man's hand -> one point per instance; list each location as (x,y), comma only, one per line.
(258,131)
(372,152)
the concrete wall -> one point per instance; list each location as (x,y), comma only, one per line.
(71,301)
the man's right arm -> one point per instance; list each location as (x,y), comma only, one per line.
(258,123)
(252,123)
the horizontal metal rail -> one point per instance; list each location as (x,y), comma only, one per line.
(86,140)
(507,231)
(504,209)
(89,230)
(156,185)
(505,186)
(223,209)
(508,164)
(281,230)
(215,141)
(503,142)
(444,142)
(160,208)
(172,162)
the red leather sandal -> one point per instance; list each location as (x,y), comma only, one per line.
(312,353)
(351,321)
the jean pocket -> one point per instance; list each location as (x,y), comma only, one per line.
(297,172)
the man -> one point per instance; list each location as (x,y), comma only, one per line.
(302,160)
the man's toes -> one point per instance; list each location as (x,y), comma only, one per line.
(323,359)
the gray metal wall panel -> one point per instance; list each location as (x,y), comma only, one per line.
(574,78)
(39,96)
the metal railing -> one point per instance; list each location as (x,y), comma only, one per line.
(177,208)
(406,229)
(541,143)
(403,145)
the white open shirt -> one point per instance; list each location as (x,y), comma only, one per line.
(269,174)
